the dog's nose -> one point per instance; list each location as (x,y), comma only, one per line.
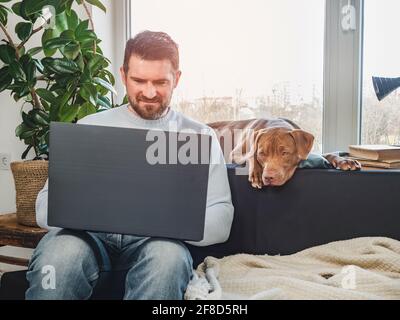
(267,180)
(269,177)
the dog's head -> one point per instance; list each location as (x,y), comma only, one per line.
(279,151)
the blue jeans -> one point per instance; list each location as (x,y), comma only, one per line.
(66,265)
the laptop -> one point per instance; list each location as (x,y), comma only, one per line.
(116,180)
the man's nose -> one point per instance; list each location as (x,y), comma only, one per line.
(149,91)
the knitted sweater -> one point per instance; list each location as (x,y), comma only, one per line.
(219,208)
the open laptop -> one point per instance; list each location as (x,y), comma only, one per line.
(104,179)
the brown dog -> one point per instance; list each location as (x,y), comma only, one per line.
(273,147)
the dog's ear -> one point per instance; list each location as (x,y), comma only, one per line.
(247,146)
(304,142)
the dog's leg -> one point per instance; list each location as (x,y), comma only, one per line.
(341,163)
(255,173)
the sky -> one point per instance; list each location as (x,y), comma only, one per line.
(226,45)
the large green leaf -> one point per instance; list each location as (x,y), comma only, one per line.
(69,113)
(47,35)
(20,129)
(23,30)
(71,51)
(5,78)
(89,93)
(16,71)
(68,34)
(97,4)
(7,53)
(4,15)
(86,36)
(46,95)
(26,118)
(104,84)
(84,25)
(104,102)
(29,67)
(60,66)
(16,8)
(107,75)
(40,117)
(85,110)
(56,43)
(72,20)
(96,62)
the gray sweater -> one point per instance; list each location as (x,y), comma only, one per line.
(219,209)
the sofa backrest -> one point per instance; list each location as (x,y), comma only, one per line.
(315,207)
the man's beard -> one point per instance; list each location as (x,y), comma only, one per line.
(150,111)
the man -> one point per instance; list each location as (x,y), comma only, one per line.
(156,268)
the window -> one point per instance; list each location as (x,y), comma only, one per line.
(380,119)
(244,59)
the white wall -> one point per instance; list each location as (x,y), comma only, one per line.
(10,110)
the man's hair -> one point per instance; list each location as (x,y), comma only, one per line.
(149,45)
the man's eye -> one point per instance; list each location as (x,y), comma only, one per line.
(161,83)
(285,153)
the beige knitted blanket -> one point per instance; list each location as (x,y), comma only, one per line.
(362,268)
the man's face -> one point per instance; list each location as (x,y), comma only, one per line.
(149,86)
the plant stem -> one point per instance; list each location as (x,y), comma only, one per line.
(11,42)
(33,32)
(36,102)
(88,13)
(91,21)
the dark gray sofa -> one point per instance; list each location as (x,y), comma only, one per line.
(315,207)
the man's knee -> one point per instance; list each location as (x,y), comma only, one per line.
(63,254)
(168,255)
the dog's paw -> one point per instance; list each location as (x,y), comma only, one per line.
(255,179)
(346,164)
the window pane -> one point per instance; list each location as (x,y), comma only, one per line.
(244,59)
(380,119)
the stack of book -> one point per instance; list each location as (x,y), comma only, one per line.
(376,156)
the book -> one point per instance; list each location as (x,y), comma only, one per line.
(383,164)
(375,152)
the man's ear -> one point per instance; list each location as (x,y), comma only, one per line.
(247,146)
(177,77)
(123,75)
(304,142)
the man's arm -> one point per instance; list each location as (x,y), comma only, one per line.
(219,210)
(41,208)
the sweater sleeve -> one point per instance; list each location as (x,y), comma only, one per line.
(219,208)
(41,208)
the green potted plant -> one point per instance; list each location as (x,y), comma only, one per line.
(63,79)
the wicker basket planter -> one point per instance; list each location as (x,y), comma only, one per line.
(29,178)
